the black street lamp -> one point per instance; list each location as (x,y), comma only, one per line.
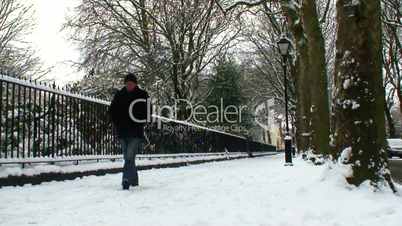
(284,46)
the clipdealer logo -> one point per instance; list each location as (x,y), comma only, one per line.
(231,116)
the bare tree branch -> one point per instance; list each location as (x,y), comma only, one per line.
(17,58)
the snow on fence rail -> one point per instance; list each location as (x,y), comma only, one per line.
(109,157)
(51,88)
(44,121)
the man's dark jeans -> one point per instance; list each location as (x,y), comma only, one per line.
(131,146)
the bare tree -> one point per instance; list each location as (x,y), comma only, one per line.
(17,58)
(167,42)
(392,56)
(264,78)
(310,69)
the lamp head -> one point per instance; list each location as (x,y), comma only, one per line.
(283,45)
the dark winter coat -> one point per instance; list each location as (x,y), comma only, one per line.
(119,112)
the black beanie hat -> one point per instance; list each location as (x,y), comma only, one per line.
(130,77)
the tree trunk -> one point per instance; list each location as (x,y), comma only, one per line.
(301,72)
(360,95)
(312,108)
(319,108)
(303,101)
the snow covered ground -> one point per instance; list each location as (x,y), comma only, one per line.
(142,160)
(258,191)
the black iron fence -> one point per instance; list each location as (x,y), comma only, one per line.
(42,120)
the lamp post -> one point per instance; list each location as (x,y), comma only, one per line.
(283,45)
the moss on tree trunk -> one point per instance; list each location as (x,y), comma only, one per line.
(319,108)
(312,110)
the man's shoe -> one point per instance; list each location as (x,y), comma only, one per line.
(126,185)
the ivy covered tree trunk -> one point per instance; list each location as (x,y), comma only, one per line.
(360,96)
(312,109)
(319,108)
(303,116)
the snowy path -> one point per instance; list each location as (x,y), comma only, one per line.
(257,191)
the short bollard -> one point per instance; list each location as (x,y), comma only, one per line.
(288,151)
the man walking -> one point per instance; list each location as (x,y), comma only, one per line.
(129,112)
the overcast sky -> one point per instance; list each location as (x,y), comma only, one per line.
(51,44)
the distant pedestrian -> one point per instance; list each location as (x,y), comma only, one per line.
(130,127)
